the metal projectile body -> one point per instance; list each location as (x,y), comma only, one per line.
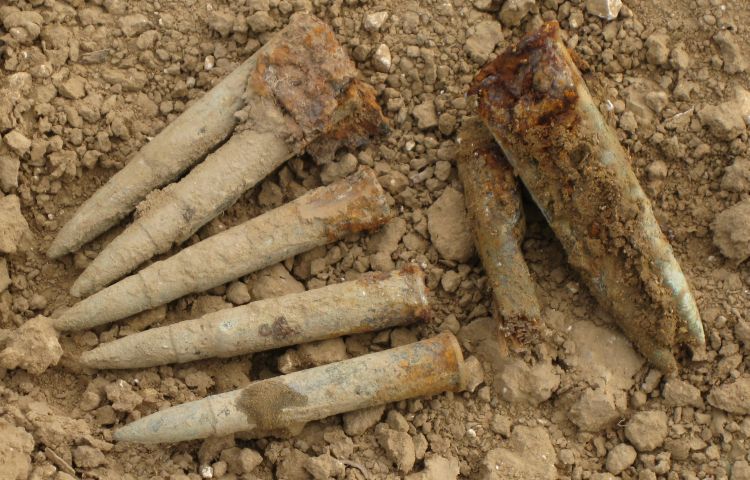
(493,202)
(302,94)
(536,104)
(354,204)
(373,302)
(283,403)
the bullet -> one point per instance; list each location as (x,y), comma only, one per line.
(285,402)
(373,302)
(182,143)
(354,204)
(535,103)
(302,92)
(493,202)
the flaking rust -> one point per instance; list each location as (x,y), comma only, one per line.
(535,102)
(301,94)
(493,201)
(283,404)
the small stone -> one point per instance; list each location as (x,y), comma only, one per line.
(731,53)
(731,231)
(4,276)
(732,397)
(324,467)
(399,448)
(359,421)
(647,430)
(736,176)
(513,12)
(519,383)
(449,227)
(381,59)
(450,281)
(396,421)
(425,115)
(238,294)
(606,9)
(530,456)
(247,460)
(33,346)
(657,50)
(274,281)
(90,400)
(437,468)
(345,165)
(679,59)
(85,456)
(260,22)
(446,125)
(9,167)
(594,411)
(133,25)
(482,42)
(16,446)
(122,396)
(14,231)
(679,393)
(722,121)
(73,88)
(373,22)
(487,5)
(501,424)
(620,457)
(221,21)
(18,142)
(24,26)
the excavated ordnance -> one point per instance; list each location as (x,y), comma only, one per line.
(294,83)
(301,90)
(373,302)
(534,101)
(321,216)
(493,202)
(282,404)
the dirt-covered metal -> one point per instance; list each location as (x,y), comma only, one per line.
(535,102)
(285,403)
(493,202)
(301,92)
(372,302)
(354,204)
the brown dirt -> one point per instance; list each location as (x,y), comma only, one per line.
(86,84)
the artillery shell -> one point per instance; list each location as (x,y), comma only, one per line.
(270,406)
(187,139)
(534,101)
(321,216)
(493,201)
(302,89)
(373,302)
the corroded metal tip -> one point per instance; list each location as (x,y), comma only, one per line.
(536,104)
(493,201)
(276,405)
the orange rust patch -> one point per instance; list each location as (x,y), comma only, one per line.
(357,118)
(530,82)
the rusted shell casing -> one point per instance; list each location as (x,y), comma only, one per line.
(302,92)
(182,143)
(270,406)
(373,302)
(493,202)
(323,215)
(536,104)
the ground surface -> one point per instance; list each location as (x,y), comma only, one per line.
(85,84)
